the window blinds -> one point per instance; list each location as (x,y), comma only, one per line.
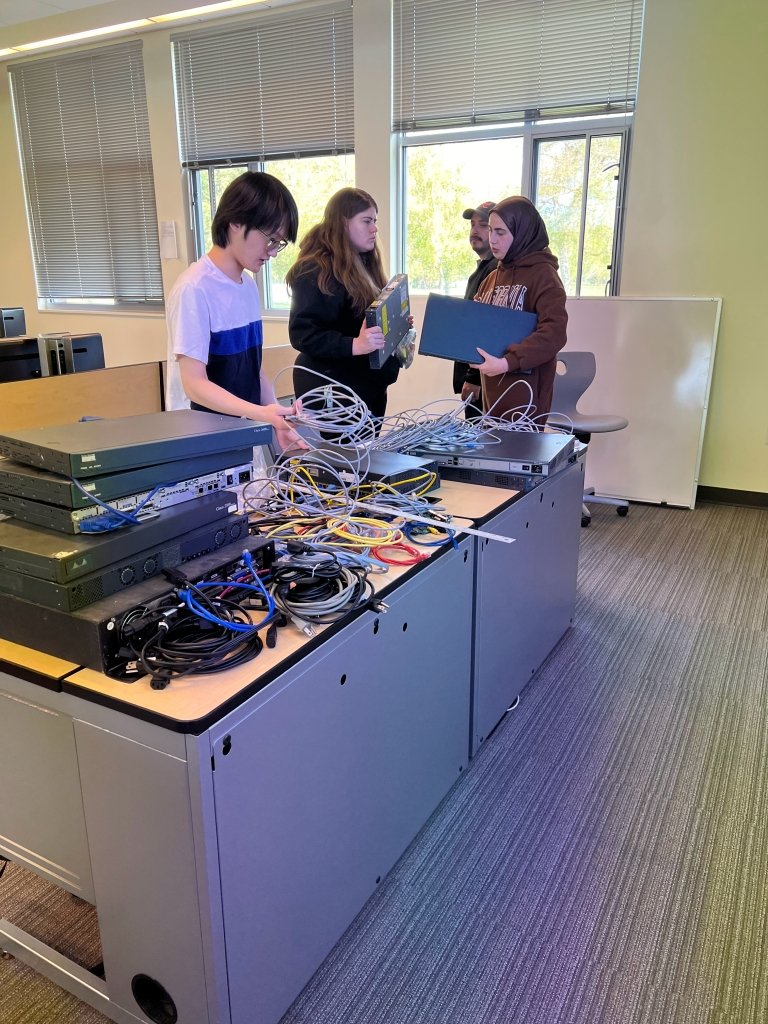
(84,145)
(464,62)
(277,85)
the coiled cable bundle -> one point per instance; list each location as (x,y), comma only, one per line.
(335,413)
(314,587)
(201,628)
(185,646)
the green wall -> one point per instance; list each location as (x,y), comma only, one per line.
(697,219)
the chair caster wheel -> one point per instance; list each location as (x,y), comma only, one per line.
(622,510)
(586,520)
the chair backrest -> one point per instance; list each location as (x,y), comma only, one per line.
(579,373)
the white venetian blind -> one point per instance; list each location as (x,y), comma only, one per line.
(276,85)
(84,145)
(464,62)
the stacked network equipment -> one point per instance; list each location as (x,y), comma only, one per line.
(165,478)
(519,460)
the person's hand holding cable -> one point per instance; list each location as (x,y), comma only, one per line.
(286,437)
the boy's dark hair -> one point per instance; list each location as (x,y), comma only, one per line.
(256,200)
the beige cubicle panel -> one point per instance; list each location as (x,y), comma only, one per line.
(277,363)
(109,393)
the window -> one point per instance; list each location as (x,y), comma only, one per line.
(244,102)
(576,189)
(575,183)
(82,129)
(441,180)
(312,180)
(533,99)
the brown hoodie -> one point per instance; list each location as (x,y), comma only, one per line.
(530,283)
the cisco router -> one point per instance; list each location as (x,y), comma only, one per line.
(136,568)
(92,447)
(76,520)
(93,635)
(25,481)
(47,555)
(512,451)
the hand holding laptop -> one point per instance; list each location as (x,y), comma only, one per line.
(452,328)
(492,366)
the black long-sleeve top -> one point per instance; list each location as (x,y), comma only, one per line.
(322,328)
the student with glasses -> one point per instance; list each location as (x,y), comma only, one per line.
(337,275)
(214,313)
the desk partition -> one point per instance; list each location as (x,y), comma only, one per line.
(111,392)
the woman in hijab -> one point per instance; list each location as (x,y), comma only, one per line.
(525,279)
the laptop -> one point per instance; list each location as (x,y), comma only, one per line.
(453,328)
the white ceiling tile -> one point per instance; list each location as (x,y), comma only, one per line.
(13,12)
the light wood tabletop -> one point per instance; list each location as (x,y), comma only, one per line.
(189,699)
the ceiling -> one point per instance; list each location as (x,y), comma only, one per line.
(42,25)
(14,12)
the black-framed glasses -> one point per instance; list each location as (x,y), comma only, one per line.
(275,244)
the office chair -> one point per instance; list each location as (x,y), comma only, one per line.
(569,387)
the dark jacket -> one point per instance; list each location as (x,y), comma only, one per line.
(462,372)
(531,283)
(322,328)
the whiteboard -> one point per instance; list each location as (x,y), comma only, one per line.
(654,366)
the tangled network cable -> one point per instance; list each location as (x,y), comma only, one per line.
(439,426)
(323,497)
(198,628)
(313,585)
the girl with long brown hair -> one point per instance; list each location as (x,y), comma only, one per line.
(337,275)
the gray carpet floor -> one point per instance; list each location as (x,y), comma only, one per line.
(604,859)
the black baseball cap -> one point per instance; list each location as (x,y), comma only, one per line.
(480,211)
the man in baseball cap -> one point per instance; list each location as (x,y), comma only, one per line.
(466,380)
(481,211)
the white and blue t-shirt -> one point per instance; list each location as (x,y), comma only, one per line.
(218,321)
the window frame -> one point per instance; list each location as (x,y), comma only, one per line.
(623,131)
(531,133)
(201,243)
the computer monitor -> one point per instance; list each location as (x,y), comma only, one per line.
(12,323)
(49,355)
(70,353)
(19,359)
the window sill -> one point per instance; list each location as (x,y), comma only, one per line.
(154,312)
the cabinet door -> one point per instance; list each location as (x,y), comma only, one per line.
(325,779)
(41,808)
(139,817)
(526,593)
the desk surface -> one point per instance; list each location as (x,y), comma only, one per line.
(192,699)
(34,664)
